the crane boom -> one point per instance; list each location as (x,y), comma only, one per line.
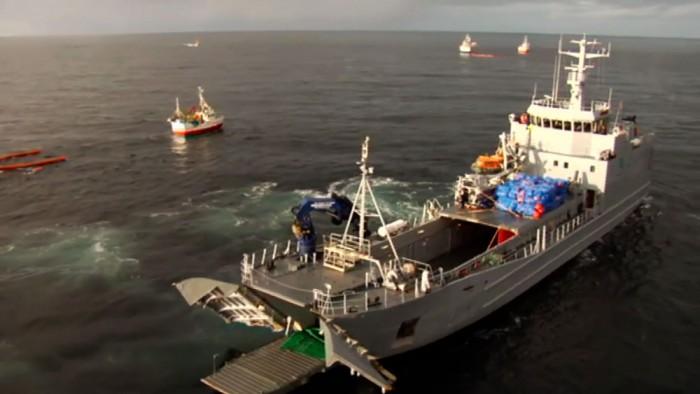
(339,208)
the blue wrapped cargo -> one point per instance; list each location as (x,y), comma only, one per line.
(531,195)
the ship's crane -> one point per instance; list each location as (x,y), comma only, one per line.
(339,208)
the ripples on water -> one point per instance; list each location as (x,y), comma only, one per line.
(89,248)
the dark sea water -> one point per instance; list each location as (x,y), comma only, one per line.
(89,248)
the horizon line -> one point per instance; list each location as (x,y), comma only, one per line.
(111,34)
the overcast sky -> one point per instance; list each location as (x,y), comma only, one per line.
(676,18)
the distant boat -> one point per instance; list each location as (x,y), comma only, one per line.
(467,45)
(200,119)
(524,48)
(194,44)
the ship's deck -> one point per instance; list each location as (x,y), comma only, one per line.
(490,217)
(294,281)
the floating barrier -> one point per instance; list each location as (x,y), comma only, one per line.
(36,163)
(16,155)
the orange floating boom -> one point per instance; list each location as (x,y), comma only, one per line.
(483,55)
(36,163)
(14,155)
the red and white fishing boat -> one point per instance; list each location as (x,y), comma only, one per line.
(524,48)
(467,46)
(200,119)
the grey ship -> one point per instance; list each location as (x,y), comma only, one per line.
(375,297)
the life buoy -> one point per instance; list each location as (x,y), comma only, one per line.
(524,118)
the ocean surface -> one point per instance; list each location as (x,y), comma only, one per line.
(89,249)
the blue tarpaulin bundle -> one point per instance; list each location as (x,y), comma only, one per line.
(527,194)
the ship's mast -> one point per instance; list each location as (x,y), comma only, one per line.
(359,205)
(203,105)
(577,70)
(178,113)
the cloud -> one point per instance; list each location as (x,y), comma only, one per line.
(631,17)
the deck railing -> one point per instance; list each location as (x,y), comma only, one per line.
(595,105)
(545,238)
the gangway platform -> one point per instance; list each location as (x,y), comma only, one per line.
(269,369)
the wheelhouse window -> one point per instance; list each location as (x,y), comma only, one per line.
(566,164)
(577,126)
(592,168)
(545,122)
(567,126)
(556,163)
(556,124)
(586,127)
(601,126)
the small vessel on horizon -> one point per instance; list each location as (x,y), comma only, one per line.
(194,44)
(467,45)
(199,119)
(524,47)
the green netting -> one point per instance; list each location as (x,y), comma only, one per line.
(308,342)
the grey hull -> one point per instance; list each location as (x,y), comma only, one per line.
(463,302)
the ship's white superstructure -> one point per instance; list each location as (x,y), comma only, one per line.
(375,297)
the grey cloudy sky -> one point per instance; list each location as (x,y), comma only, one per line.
(677,18)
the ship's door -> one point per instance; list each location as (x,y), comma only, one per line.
(590,198)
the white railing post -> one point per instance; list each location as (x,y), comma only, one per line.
(544,238)
(264,254)
(345,304)
(274,251)
(442,276)
(253,260)
(366,280)
(366,301)
(314,258)
(289,325)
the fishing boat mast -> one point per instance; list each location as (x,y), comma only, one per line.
(203,105)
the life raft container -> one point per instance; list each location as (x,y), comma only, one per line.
(488,163)
(524,118)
